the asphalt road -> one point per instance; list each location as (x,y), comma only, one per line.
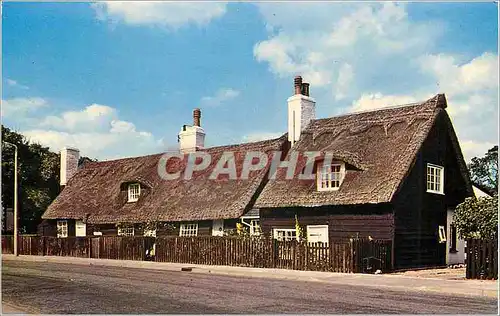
(66,289)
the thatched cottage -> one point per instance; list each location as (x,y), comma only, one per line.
(128,196)
(394,173)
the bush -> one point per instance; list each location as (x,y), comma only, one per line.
(477,218)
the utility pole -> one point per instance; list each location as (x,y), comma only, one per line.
(15,198)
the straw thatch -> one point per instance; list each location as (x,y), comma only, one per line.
(379,147)
(98,192)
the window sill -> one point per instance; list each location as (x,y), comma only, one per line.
(453,251)
(327,190)
(435,192)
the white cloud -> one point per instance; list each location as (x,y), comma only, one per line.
(164,14)
(344,81)
(377,100)
(472,92)
(118,126)
(319,47)
(96,129)
(221,96)
(258,136)
(14,83)
(471,149)
(480,74)
(364,56)
(17,108)
(94,116)
(101,145)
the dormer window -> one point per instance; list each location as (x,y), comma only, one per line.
(134,191)
(330,176)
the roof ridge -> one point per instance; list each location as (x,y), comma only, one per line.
(90,163)
(392,107)
(270,140)
(214,148)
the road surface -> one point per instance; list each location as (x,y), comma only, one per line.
(67,288)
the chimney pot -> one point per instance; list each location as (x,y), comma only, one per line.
(305,89)
(192,137)
(301,110)
(196,117)
(298,84)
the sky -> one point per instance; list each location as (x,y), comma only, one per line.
(119,79)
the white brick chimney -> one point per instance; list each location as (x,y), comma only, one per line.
(69,164)
(192,138)
(301,110)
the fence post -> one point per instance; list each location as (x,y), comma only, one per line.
(473,257)
(273,252)
(468,266)
(99,240)
(353,256)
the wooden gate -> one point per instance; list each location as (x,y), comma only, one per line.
(482,259)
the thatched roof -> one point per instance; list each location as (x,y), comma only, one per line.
(97,193)
(378,146)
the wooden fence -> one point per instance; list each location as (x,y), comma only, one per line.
(356,256)
(482,259)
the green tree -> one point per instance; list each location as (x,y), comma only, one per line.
(477,218)
(38,178)
(484,171)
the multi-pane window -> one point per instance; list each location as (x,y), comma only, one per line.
(149,232)
(125,230)
(285,253)
(134,190)
(254,227)
(435,178)
(188,230)
(330,177)
(285,234)
(62,229)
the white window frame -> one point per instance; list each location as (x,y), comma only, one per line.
(149,232)
(442,234)
(435,178)
(62,228)
(325,177)
(126,230)
(255,227)
(285,234)
(311,228)
(80,226)
(188,230)
(134,191)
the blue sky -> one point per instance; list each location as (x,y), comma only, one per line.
(119,79)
